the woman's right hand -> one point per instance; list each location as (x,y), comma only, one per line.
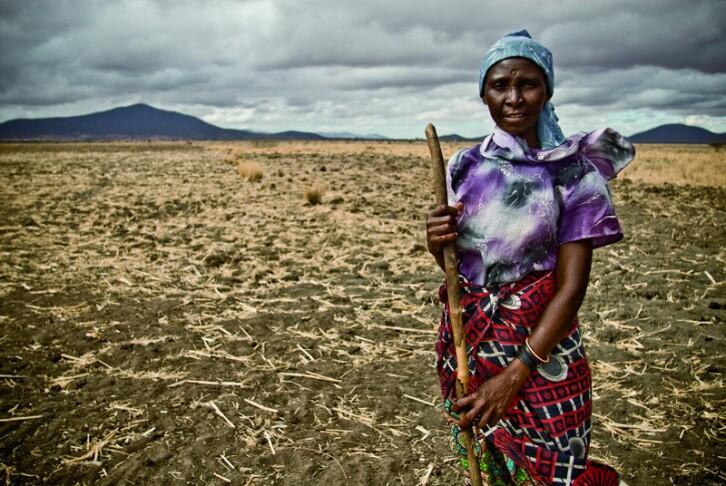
(441,229)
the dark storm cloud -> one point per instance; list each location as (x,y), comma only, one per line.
(675,35)
(613,34)
(646,86)
(286,63)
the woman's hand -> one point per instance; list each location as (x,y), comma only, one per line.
(441,229)
(491,401)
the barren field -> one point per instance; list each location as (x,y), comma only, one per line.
(164,320)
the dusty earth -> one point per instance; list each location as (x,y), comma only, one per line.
(163,321)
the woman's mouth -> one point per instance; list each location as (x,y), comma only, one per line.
(515,116)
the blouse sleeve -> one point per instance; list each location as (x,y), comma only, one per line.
(453,169)
(586,207)
(608,151)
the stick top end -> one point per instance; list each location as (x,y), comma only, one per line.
(430,130)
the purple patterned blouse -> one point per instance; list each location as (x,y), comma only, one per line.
(520,204)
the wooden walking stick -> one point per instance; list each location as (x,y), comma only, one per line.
(452,284)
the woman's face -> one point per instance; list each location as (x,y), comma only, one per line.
(515,91)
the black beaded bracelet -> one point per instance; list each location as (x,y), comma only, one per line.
(526,356)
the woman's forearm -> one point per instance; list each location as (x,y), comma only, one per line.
(572,274)
(555,322)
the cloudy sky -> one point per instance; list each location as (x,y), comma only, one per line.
(365,66)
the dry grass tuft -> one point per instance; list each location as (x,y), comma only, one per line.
(314,194)
(252,171)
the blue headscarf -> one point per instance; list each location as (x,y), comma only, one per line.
(521,44)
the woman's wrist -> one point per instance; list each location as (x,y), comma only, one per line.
(519,371)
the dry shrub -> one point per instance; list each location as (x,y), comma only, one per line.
(252,171)
(314,194)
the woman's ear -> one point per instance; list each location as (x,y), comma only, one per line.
(483,100)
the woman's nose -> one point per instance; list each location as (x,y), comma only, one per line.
(514,96)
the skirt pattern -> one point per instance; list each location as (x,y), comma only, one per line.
(546,430)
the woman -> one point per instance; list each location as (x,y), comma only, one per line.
(527,207)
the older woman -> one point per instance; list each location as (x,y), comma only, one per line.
(527,207)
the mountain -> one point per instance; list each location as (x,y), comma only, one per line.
(677,133)
(455,137)
(141,121)
(138,121)
(353,136)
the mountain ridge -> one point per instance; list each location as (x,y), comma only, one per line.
(134,122)
(677,133)
(141,121)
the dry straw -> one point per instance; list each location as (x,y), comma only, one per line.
(696,165)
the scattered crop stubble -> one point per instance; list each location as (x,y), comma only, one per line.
(164,319)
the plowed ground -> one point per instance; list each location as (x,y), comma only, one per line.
(163,321)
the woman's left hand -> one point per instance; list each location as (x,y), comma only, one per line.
(487,405)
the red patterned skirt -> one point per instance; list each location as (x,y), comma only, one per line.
(546,431)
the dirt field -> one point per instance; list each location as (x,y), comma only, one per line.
(164,321)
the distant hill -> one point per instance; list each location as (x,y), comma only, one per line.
(138,121)
(455,137)
(677,133)
(353,136)
(141,121)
